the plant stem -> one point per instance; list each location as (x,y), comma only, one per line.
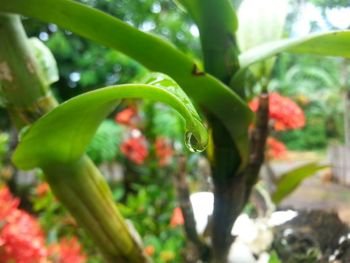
(220,53)
(23,88)
(78,185)
(85,193)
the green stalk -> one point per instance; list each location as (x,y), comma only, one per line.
(78,185)
(84,191)
(217,23)
(22,85)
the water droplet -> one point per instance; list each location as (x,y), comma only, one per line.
(192,143)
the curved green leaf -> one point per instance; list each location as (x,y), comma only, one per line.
(334,43)
(290,180)
(62,135)
(151,51)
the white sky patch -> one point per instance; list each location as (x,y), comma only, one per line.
(74,76)
(147,26)
(156,8)
(194,30)
(308,14)
(339,17)
(43,36)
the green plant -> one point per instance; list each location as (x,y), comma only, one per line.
(56,142)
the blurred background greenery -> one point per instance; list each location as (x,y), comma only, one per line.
(318,85)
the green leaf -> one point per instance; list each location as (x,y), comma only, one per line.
(217,24)
(62,135)
(46,61)
(334,43)
(290,180)
(261,22)
(153,52)
(274,257)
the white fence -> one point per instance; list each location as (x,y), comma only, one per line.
(339,157)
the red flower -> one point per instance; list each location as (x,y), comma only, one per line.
(67,251)
(8,203)
(21,238)
(164,151)
(149,250)
(177,217)
(135,149)
(125,117)
(275,148)
(285,113)
(42,189)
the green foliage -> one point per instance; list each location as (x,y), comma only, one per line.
(167,123)
(274,257)
(104,146)
(312,137)
(290,180)
(4,140)
(150,210)
(331,3)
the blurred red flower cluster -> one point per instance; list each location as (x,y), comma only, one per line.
(67,250)
(164,151)
(126,117)
(22,239)
(275,148)
(285,113)
(135,147)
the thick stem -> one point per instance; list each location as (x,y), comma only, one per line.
(228,204)
(83,190)
(229,189)
(258,142)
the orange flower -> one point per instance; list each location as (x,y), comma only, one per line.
(8,203)
(67,251)
(285,113)
(164,151)
(42,189)
(275,148)
(149,250)
(135,149)
(21,237)
(177,217)
(125,117)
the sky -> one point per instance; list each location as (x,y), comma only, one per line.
(338,17)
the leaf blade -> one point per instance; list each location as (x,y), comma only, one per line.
(290,180)
(63,135)
(327,44)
